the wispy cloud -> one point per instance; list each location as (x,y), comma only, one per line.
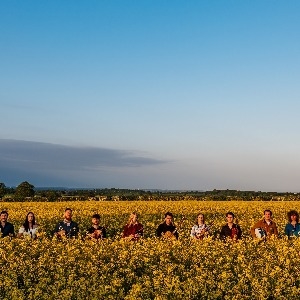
(26,158)
(22,106)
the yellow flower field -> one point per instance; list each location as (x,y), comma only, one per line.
(151,268)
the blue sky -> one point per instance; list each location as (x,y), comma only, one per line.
(150,94)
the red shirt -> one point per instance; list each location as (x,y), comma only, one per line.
(136,229)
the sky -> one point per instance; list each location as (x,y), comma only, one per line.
(192,95)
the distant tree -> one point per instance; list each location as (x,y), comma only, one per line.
(23,190)
(3,189)
(52,195)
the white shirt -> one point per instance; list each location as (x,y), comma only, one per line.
(30,232)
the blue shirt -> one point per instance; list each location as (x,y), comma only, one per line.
(291,230)
(71,228)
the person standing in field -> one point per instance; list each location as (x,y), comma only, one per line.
(265,227)
(67,227)
(6,228)
(200,230)
(230,230)
(167,229)
(96,231)
(292,229)
(29,228)
(133,230)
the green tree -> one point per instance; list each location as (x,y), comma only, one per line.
(23,190)
(3,189)
(51,195)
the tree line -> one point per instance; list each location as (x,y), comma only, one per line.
(26,191)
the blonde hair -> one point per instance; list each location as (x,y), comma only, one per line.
(131,217)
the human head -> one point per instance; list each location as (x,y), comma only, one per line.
(267,214)
(30,217)
(3,216)
(95,219)
(230,217)
(168,218)
(133,218)
(200,219)
(68,214)
(294,214)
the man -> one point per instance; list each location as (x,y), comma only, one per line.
(230,230)
(67,227)
(265,227)
(96,231)
(6,228)
(167,229)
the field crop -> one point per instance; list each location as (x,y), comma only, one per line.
(47,268)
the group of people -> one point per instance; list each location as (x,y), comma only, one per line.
(133,230)
(262,229)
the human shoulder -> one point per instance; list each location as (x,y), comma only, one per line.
(289,226)
(225,226)
(273,223)
(162,225)
(90,229)
(259,223)
(21,229)
(9,226)
(139,225)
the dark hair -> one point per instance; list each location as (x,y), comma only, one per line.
(4,212)
(267,210)
(196,221)
(168,214)
(26,223)
(230,213)
(68,209)
(96,216)
(293,213)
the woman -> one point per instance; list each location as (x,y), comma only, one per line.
(29,228)
(200,230)
(133,230)
(292,229)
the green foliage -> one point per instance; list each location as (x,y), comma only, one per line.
(24,190)
(52,196)
(2,189)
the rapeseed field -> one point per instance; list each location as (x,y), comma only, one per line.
(151,268)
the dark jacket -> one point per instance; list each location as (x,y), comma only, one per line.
(234,233)
(7,230)
(291,230)
(71,228)
(93,229)
(163,228)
